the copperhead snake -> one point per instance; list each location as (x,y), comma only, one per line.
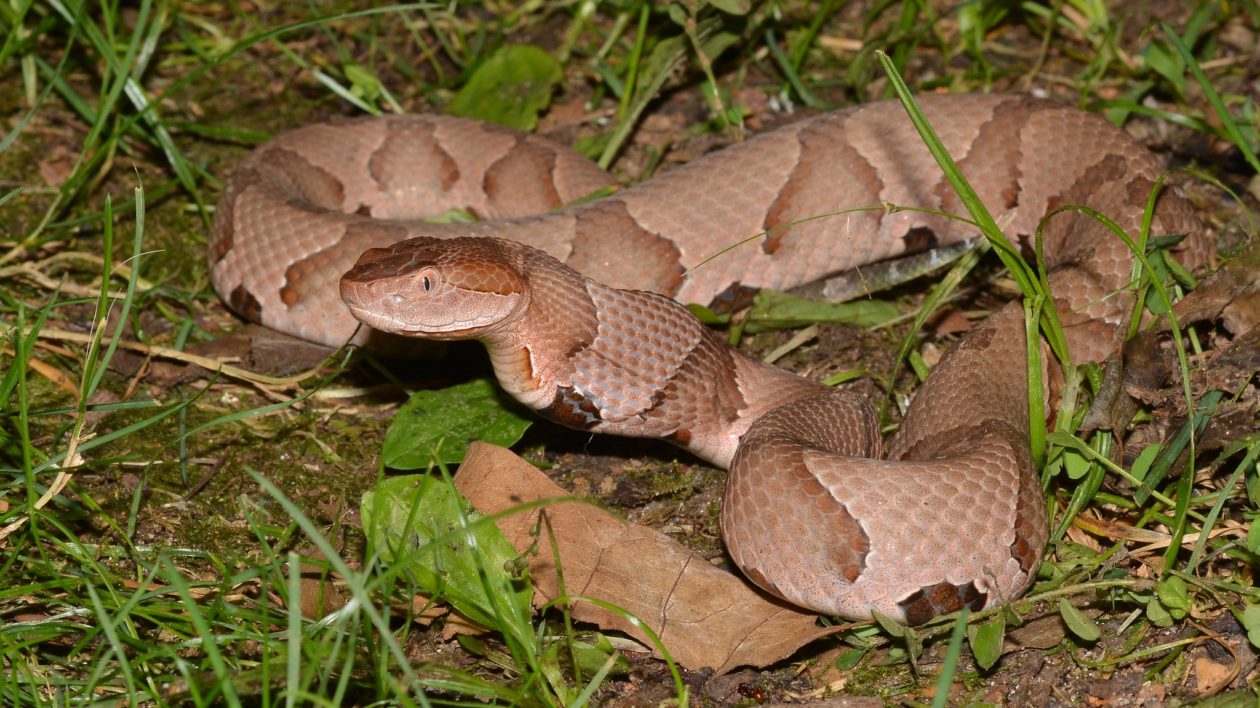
(951,516)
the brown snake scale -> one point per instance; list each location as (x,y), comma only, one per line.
(952,515)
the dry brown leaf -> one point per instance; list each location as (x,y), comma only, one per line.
(1236,365)
(318,593)
(1045,632)
(53,374)
(457,624)
(1210,676)
(56,165)
(424,610)
(706,617)
(1231,293)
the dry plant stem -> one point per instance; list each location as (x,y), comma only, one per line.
(1153,539)
(37,272)
(269,384)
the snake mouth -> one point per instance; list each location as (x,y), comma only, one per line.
(393,323)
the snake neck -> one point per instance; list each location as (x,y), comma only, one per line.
(632,363)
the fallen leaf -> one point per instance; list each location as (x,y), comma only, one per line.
(1210,677)
(56,165)
(1151,694)
(705,616)
(1236,365)
(1045,632)
(1231,293)
(318,594)
(952,322)
(56,376)
(457,624)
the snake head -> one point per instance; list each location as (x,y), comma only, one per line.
(462,288)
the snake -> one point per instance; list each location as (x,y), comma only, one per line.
(576,289)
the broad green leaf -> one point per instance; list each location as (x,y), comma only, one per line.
(918,365)
(435,427)
(510,88)
(1078,623)
(1142,464)
(986,641)
(732,7)
(1076,464)
(661,62)
(1075,457)
(1253,537)
(363,83)
(1251,622)
(1174,595)
(678,14)
(404,517)
(473,645)
(708,316)
(775,310)
(890,625)
(849,658)
(1165,61)
(1158,614)
(591,655)
(715,46)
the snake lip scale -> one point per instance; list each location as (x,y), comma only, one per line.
(579,309)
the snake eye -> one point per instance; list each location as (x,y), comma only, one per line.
(428,279)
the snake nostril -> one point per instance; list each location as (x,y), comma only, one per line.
(395,299)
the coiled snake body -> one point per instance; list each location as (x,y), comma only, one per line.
(951,516)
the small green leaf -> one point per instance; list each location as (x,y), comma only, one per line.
(1178,271)
(1174,594)
(732,7)
(1251,622)
(1076,464)
(890,625)
(404,516)
(592,655)
(510,88)
(920,367)
(1078,623)
(715,46)
(454,215)
(472,645)
(1253,538)
(845,376)
(849,658)
(1155,303)
(435,427)
(1076,458)
(363,83)
(708,316)
(1142,464)
(1166,62)
(1158,614)
(986,641)
(678,14)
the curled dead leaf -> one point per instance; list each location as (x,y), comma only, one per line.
(705,616)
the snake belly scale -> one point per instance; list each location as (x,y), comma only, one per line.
(578,307)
